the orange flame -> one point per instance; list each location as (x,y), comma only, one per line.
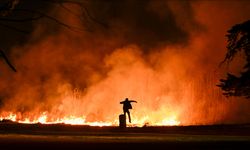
(72,120)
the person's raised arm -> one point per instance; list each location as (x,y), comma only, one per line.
(133,101)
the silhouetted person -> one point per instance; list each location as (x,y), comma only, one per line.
(126,106)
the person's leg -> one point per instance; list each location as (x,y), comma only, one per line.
(124,112)
(129,116)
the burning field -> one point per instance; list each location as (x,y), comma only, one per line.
(163,54)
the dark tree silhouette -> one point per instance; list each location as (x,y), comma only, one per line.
(238,41)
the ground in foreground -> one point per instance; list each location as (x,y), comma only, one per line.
(61,136)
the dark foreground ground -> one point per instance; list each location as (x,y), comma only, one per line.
(61,136)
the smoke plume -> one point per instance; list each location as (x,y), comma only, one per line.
(163,54)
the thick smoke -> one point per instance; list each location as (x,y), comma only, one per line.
(164,54)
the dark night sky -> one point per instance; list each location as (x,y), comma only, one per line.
(144,23)
(15,33)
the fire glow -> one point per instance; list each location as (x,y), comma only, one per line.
(165,98)
(161,54)
(64,114)
(43,119)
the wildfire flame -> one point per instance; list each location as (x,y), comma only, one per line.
(72,120)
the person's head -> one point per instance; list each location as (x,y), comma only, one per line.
(126,99)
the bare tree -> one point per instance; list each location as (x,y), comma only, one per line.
(10,7)
(238,41)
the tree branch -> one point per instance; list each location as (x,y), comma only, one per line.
(21,20)
(7,60)
(76,29)
(14,28)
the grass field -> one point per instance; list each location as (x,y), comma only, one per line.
(61,136)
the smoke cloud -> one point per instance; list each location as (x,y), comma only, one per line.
(163,54)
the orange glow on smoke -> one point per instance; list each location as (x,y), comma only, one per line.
(167,94)
(80,78)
